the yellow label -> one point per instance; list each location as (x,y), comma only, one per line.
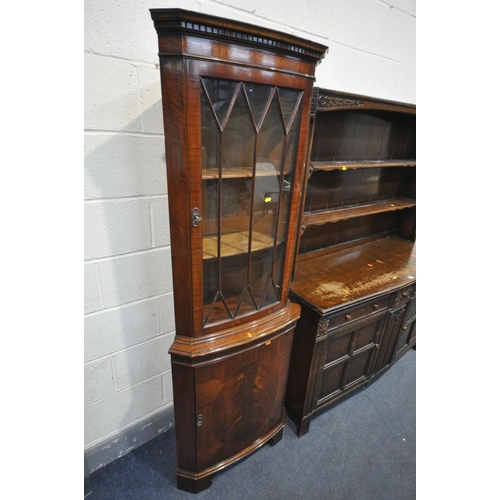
(344,168)
(267,199)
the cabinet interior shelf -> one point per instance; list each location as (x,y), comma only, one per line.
(236,243)
(238,172)
(344,165)
(338,214)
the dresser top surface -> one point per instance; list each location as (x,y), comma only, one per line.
(338,278)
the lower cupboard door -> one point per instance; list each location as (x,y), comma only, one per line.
(239,400)
(347,360)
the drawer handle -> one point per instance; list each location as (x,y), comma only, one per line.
(376,306)
(348,317)
(405,328)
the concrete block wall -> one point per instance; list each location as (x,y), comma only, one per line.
(128,321)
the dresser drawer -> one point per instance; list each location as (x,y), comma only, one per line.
(352,314)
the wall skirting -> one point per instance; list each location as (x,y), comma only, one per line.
(120,444)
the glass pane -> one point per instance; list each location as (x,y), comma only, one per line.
(289,99)
(220,93)
(292,141)
(267,196)
(287,183)
(237,159)
(210,138)
(258,97)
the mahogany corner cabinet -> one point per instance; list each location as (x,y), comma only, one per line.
(236,102)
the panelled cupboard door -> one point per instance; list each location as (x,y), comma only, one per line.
(408,332)
(406,339)
(347,359)
(392,333)
(239,402)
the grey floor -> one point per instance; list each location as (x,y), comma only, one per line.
(364,448)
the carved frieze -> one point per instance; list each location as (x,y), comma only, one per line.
(322,327)
(403,295)
(397,313)
(326,102)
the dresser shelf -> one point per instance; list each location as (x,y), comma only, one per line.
(335,215)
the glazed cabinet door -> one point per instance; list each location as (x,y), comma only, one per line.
(347,359)
(249,140)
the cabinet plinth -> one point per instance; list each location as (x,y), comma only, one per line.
(236,114)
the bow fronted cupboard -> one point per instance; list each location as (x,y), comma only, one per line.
(236,102)
(355,275)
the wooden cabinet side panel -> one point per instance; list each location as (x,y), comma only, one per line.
(174,99)
(302,364)
(183,380)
